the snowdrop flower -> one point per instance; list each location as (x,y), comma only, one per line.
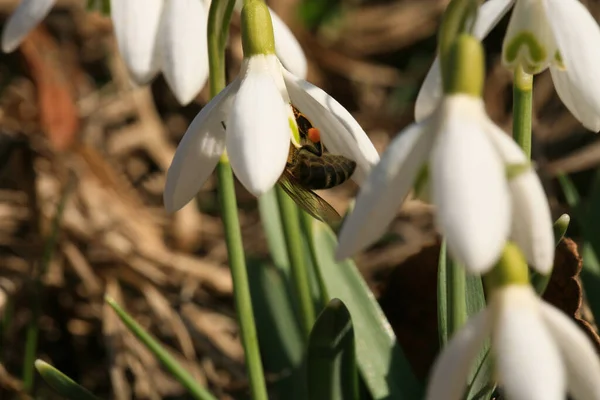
(466,157)
(538,352)
(25,17)
(558,34)
(251,118)
(153,36)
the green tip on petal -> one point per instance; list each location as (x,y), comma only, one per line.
(465,70)
(525,43)
(511,269)
(295,132)
(514,170)
(257,29)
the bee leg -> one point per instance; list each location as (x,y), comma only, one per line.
(313,148)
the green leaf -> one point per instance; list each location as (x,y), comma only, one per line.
(590,277)
(61,383)
(180,373)
(281,343)
(452,304)
(382,364)
(331,361)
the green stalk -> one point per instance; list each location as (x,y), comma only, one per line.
(218,25)
(291,231)
(522,105)
(239,275)
(181,374)
(307,225)
(32,333)
(458,18)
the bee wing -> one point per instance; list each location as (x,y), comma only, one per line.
(310,202)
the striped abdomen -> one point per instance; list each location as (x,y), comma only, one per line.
(319,172)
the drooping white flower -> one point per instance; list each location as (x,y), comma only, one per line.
(26,16)
(250,119)
(478,207)
(558,34)
(538,352)
(168,36)
(171,35)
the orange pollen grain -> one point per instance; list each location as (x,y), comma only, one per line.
(314,135)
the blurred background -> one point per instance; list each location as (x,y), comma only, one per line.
(78,141)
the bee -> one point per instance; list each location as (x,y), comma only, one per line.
(310,167)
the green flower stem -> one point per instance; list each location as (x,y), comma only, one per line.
(291,231)
(239,275)
(522,105)
(218,25)
(219,16)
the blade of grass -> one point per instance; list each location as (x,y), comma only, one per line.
(331,358)
(32,333)
(382,364)
(61,383)
(180,373)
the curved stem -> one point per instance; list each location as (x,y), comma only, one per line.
(218,26)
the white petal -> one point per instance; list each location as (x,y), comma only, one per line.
(258,130)
(531,221)
(529,40)
(577,36)
(385,189)
(469,186)
(199,151)
(528,362)
(26,16)
(451,369)
(488,16)
(184,47)
(136,24)
(580,357)
(340,132)
(287,48)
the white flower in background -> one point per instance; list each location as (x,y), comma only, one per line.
(478,207)
(558,34)
(25,17)
(158,35)
(250,119)
(538,352)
